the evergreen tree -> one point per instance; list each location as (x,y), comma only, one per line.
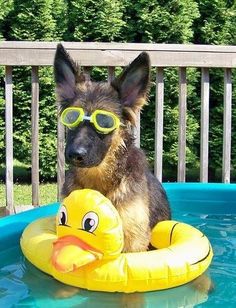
(5,6)
(166,22)
(151,21)
(216,22)
(157,21)
(35,20)
(216,25)
(93,20)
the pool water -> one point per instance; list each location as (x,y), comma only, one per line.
(22,285)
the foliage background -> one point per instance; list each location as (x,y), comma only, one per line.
(146,21)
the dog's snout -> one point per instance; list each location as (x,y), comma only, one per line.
(77,154)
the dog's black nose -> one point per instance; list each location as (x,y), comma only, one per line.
(77,154)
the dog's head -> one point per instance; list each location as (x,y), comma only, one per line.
(86,145)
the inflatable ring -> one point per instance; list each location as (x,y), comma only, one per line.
(82,247)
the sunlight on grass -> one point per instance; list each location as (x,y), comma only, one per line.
(22,194)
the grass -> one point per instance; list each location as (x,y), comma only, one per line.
(22,194)
(23,188)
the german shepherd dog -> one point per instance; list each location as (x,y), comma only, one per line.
(100,146)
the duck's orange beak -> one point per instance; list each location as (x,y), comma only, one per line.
(70,253)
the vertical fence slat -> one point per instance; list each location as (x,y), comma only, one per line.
(60,157)
(159,123)
(137,131)
(111,73)
(182,125)
(227,125)
(35,135)
(205,92)
(9,141)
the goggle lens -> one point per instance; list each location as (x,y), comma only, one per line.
(105,121)
(71,116)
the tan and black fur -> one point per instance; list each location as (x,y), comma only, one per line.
(111,163)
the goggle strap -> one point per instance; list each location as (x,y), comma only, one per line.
(86,117)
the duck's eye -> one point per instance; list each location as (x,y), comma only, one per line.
(62,216)
(90,222)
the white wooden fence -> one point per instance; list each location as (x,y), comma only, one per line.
(111,55)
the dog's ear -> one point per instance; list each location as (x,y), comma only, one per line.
(65,74)
(133,84)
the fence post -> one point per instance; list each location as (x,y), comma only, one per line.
(9,141)
(35,135)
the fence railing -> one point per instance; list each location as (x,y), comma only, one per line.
(111,55)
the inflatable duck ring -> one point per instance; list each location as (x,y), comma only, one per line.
(82,247)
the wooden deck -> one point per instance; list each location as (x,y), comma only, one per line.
(111,55)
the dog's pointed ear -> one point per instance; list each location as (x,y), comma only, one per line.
(65,74)
(133,84)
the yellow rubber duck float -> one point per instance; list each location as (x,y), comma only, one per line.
(83,247)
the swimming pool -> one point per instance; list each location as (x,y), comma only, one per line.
(209,207)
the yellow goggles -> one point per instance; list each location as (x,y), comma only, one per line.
(104,121)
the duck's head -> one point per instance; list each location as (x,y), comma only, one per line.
(88,228)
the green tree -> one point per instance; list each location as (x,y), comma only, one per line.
(92,20)
(167,22)
(37,20)
(216,25)
(160,21)
(5,6)
(216,22)
(171,21)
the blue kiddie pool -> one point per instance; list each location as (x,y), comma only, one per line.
(209,207)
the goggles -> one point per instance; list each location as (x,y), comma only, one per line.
(104,121)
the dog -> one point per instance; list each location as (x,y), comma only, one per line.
(100,149)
